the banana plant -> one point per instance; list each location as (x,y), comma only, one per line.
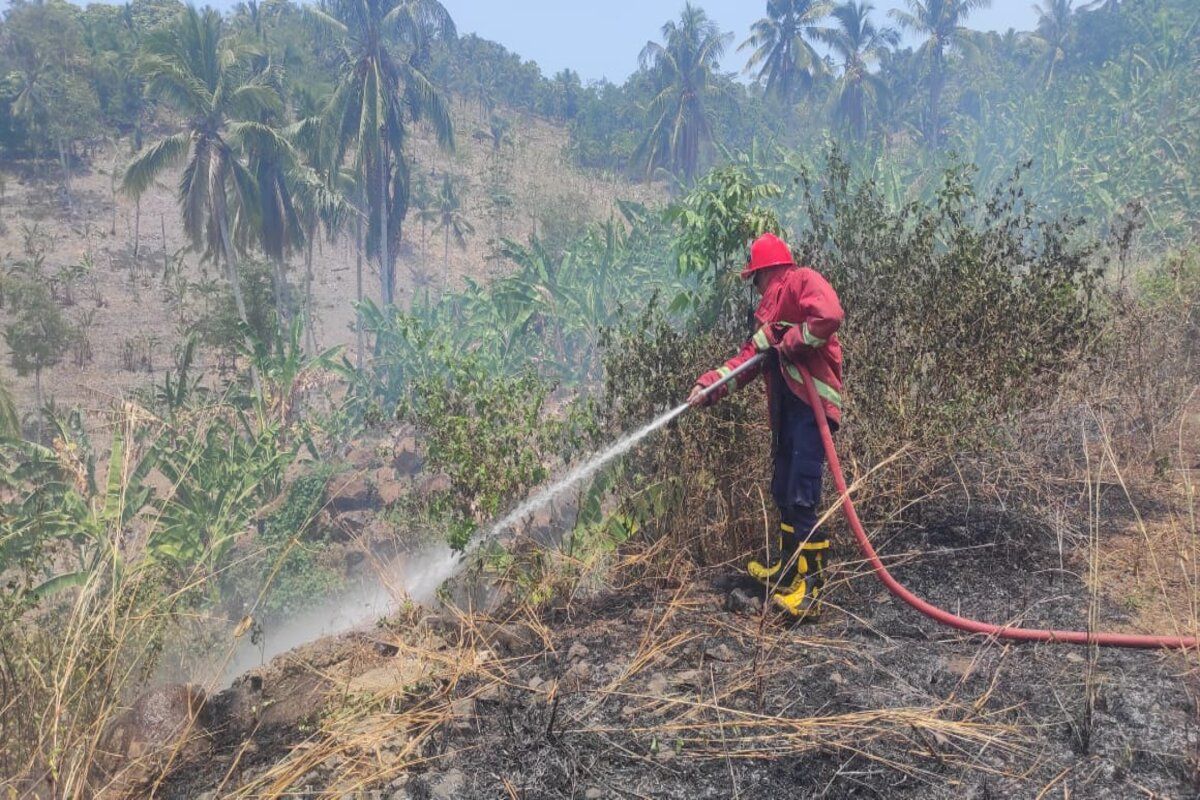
(64,511)
(220,474)
(285,369)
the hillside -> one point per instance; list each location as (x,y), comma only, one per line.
(133,319)
(479,545)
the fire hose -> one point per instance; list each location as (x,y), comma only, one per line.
(942,616)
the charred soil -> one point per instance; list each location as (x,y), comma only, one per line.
(660,687)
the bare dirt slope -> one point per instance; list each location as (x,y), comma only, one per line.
(125,305)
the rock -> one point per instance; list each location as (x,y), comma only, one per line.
(407,459)
(721,652)
(462,713)
(360,456)
(353,524)
(492,693)
(395,677)
(449,784)
(657,684)
(417,789)
(593,793)
(164,723)
(506,636)
(159,719)
(688,677)
(960,666)
(738,602)
(836,678)
(577,676)
(577,651)
(536,682)
(351,492)
(388,489)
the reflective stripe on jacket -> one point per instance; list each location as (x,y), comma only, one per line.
(799,316)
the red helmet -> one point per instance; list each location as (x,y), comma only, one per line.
(768,251)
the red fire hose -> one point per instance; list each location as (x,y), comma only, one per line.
(953,620)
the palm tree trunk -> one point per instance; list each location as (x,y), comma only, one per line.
(112,188)
(358,290)
(280,288)
(935,100)
(66,168)
(137,224)
(424,247)
(37,399)
(385,276)
(308,297)
(235,284)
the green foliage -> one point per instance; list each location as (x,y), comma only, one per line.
(44,45)
(63,523)
(678,125)
(38,335)
(781,47)
(717,220)
(219,323)
(221,470)
(699,480)
(288,547)
(491,435)
(379,47)
(940,340)
(10,424)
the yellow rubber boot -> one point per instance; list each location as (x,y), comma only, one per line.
(800,596)
(768,573)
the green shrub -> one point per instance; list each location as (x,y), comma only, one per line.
(289,566)
(960,314)
(493,435)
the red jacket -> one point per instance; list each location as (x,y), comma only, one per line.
(799,315)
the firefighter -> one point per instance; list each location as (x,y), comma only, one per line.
(798,318)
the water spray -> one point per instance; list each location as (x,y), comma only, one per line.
(452,563)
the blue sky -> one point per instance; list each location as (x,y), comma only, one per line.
(603,39)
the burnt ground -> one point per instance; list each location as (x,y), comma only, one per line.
(663,688)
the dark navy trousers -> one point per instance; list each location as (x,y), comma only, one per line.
(799,461)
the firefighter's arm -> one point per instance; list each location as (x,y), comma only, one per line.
(748,351)
(822,315)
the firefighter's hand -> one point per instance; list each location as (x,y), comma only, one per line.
(697,398)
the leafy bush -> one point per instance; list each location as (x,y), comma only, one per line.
(492,435)
(961,313)
(288,569)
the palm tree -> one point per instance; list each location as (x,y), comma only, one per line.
(450,217)
(276,166)
(1053,32)
(683,69)
(941,23)
(195,68)
(320,203)
(380,90)
(859,45)
(782,53)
